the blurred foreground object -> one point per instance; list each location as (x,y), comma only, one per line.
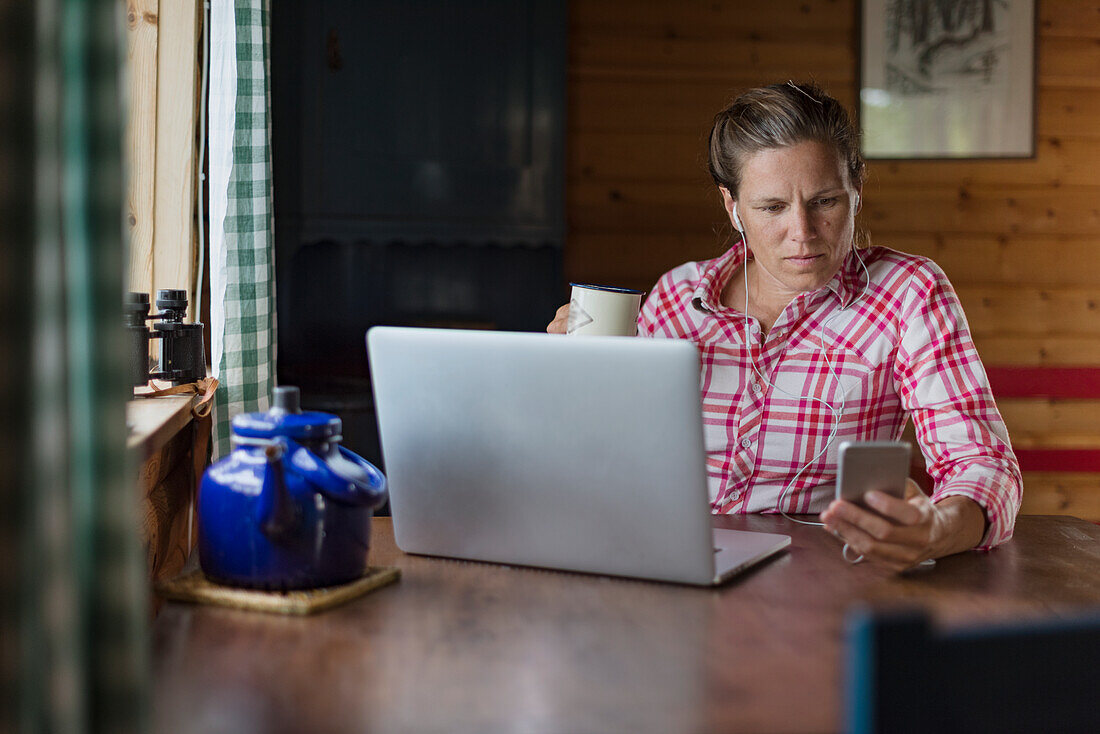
(905,676)
(73,583)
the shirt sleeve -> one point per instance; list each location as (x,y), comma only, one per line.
(944,387)
(664,312)
(647,316)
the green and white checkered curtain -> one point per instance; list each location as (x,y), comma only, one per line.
(242,264)
(74,594)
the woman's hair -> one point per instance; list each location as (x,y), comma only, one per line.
(780,116)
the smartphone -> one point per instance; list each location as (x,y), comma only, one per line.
(863,466)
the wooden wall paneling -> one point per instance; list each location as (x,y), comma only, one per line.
(645,205)
(1069,111)
(174,263)
(677,105)
(1060,161)
(1012,349)
(1044,423)
(639,258)
(1069,18)
(140,145)
(617,105)
(812,19)
(1069,61)
(639,156)
(976,259)
(1062,493)
(971,210)
(1024,309)
(983,210)
(718,56)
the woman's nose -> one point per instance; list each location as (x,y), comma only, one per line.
(802,224)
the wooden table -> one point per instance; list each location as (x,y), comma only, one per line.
(472,647)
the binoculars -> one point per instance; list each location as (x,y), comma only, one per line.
(182,358)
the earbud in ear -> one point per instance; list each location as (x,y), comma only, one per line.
(737,220)
(857,202)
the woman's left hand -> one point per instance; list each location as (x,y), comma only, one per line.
(906,531)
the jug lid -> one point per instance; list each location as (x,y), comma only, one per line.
(287,419)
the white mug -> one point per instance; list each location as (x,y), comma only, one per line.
(602,310)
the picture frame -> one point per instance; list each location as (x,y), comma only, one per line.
(947,79)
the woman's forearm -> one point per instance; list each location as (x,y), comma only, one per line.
(962,526)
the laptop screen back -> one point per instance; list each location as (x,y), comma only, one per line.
(581,453)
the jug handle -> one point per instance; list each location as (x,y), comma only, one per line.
(334,486)
(275,511)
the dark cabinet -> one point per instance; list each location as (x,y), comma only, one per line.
(418,153)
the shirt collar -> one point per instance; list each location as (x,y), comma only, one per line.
(708,293)
(848,281)
(846,284)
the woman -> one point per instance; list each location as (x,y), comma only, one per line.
(807,340)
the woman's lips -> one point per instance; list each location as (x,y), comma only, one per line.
(803,259)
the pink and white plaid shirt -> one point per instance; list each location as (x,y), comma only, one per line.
(901,347)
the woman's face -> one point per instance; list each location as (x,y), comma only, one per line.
(798,209)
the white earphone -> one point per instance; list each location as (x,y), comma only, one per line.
(837,412)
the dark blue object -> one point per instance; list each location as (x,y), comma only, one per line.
(906,677)
(290,508)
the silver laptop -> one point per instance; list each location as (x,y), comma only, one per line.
(576,453)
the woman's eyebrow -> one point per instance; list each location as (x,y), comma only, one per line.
(760,200)
(782,199)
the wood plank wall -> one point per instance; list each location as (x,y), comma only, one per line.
(141,138)
(163,72)
(1019,239)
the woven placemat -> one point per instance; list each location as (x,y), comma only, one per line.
(196,588)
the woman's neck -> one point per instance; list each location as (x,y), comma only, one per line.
(766,301)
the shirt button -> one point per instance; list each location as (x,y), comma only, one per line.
(755,329)
(745,443)
(756,387)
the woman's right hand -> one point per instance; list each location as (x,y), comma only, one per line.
(561,320)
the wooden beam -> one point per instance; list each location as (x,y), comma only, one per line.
(141,127)
(174,262)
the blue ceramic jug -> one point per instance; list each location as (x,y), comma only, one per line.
(290,508)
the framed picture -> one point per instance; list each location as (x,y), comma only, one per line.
(947,78)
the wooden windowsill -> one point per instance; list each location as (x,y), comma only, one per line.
(154,421)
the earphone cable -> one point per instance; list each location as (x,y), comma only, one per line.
(837,413)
